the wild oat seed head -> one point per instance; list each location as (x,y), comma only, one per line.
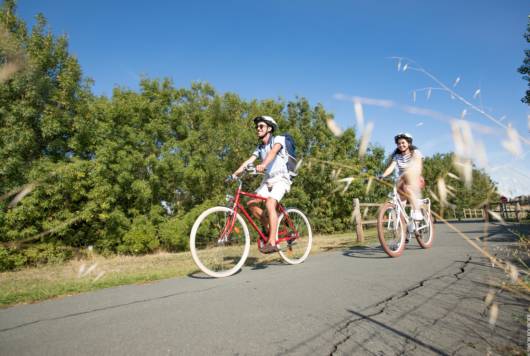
(365,139)
(494,313)
(333,127)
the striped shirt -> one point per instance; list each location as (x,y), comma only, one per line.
(403,161)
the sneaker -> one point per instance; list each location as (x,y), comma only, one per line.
(416,215)
(268,248)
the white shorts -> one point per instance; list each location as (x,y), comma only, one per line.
(276,191)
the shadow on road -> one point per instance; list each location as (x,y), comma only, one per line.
(253,262)
(202,275)
(365,252)
(374,252)
(397,332)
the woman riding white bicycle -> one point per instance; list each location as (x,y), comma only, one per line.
(408,160)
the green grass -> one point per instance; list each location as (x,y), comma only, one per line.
(96,272)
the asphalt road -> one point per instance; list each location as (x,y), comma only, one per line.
(343,302)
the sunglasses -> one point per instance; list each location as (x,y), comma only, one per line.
(259,127)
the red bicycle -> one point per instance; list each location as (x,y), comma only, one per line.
(220,239)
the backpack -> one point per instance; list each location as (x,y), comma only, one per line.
(290,149)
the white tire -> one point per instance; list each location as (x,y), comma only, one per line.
(216,253)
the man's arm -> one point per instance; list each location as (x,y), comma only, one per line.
(270,157)
(244,165)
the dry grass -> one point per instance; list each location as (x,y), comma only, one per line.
(96,272)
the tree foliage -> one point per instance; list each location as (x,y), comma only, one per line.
(440,167)
(524,69)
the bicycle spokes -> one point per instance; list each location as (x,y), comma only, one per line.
(294,236)
(220,241)
(390,230)
(425,231)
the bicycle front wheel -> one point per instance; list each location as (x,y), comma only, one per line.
(425,229)
(219,242)
(390,230)
(295,236)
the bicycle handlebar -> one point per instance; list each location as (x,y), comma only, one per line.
(250,169)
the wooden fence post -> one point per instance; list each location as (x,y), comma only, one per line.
(358,220)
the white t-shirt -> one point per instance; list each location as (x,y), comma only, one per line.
(277,169)
(403,161)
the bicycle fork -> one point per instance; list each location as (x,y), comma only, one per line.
(224,236)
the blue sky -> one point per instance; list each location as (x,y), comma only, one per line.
(324,51)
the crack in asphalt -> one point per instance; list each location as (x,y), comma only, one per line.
(463,268)
(104,308)
(384,303)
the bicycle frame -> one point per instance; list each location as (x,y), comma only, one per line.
(400,209)
(238,208)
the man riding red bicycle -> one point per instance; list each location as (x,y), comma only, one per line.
(277,181)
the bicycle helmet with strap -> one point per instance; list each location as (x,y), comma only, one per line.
(268,120)
(404,135)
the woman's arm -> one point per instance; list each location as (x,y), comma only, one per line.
(389,169)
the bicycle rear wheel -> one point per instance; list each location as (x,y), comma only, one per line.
(295,229)
(219,242)
(390,230)
(425,229)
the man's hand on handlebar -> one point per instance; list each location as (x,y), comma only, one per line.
(250,168)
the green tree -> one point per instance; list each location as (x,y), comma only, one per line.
(38,105)
(524,69)
(441,167)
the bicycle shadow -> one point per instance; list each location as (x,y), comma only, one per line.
(197,274)
(255,264)
(372,252)
(201,275)
(252,262)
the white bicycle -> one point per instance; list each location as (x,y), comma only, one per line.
(395,227)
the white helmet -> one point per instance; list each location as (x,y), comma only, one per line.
(268,120)
(404,135)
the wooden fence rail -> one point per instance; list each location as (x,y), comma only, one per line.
(358,218)
(474,213)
